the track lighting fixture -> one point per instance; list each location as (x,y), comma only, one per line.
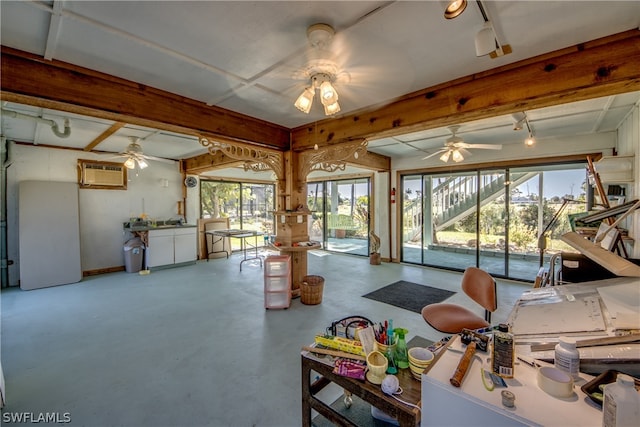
(486,40)
(455,8)
(518,120)
(328,95)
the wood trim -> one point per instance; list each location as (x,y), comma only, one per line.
(398,221)
(340,177)
(104,135)
(230,180)
(606,66)
(32,80)
(96,272)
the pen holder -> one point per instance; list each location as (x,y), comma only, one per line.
(382,348)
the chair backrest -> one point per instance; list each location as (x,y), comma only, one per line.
(481,287)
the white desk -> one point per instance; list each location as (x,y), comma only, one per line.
(557,309)
(473,405)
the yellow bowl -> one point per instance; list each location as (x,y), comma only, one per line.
(420,357)
(417,374)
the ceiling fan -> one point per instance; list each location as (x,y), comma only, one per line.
(321,71)
(455,147)
(135,157)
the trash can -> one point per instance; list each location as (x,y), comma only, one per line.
(133,255)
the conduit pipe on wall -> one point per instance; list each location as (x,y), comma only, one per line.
(52,123)
(4,258)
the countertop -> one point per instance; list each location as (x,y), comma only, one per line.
(157,227)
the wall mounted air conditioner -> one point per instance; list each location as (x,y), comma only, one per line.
(615,169)
(102,175)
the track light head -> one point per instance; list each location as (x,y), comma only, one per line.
(485,40)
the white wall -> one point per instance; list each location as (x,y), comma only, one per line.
(629,144)
(102,212)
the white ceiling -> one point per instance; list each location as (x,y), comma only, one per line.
(249,57)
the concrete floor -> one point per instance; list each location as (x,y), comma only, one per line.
(188,346)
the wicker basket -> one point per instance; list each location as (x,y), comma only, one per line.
(311,290)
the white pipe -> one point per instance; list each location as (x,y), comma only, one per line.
(52,123)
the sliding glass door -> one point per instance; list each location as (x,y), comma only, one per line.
(247,206)
(497,220)
(340,218)
(492,222)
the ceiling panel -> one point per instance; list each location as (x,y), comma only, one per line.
(251,57)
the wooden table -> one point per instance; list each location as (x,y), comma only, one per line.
(371,393)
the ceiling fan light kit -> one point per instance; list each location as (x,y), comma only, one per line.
(322,73)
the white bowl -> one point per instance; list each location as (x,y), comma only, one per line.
(555,382)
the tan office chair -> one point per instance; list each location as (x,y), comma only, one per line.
(452,318)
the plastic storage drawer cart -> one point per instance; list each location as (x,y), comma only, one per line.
(277,281)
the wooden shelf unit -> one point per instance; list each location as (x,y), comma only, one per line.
(292,227)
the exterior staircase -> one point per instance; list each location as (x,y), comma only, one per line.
(456,197)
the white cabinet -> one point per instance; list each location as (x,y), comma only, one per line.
(171,246)
(184,241)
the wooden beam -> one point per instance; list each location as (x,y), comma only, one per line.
(372,161)
(599,68)
(29,79)
(208,162)
(104,135)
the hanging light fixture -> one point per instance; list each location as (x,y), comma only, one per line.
(455,8)
(328,95)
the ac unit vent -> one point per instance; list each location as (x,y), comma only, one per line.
(94,174)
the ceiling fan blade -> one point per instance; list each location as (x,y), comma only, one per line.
(434,154)
(485,146)
(158,159)
(464,151)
